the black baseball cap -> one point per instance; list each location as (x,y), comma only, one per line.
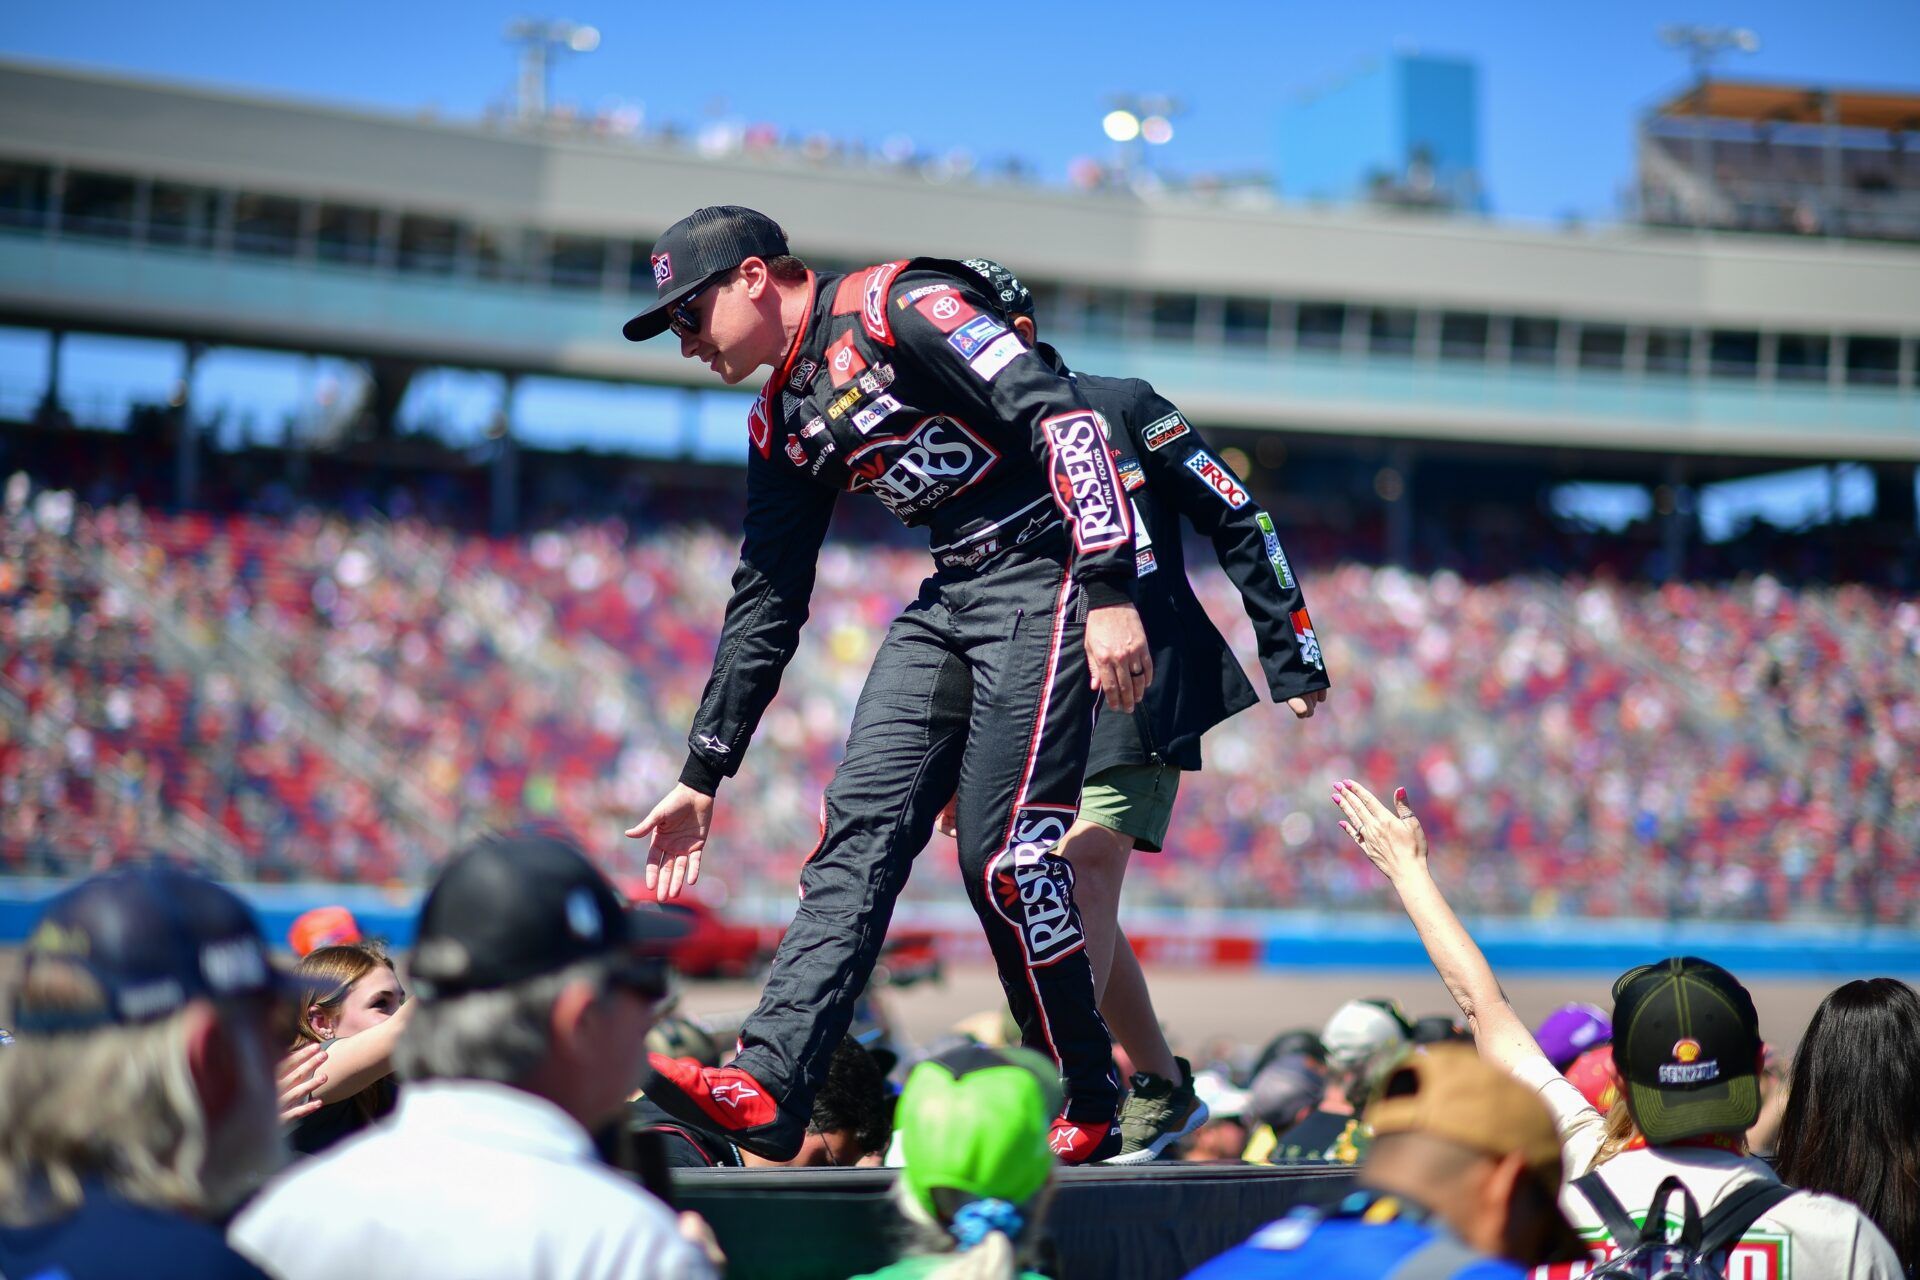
(698,247)
(512,907)
(137,944)
(1686,1041)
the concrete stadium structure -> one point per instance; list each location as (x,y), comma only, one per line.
(207,216)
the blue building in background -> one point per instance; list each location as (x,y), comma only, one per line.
(1403,129)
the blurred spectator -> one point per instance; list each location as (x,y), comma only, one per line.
(1438,1029)
(1223,1136)
(1852,1125)
(1570,1031)
(1687,1046)
(353,1008)
(327,926)
(1283,1093)
(1299,1042)
(1362,1038)
(139,1101)
(976,1170)
(851,1124)
(535,987)
(1460,1180)
(1593,1074)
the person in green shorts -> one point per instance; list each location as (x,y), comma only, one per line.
(973,1127)
(1134,765)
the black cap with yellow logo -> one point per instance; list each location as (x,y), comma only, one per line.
(1686,1040)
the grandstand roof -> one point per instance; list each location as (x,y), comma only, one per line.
(1762,103)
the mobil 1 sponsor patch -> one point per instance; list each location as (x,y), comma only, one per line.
(1161,432)
(877,411)
(1276,556)
(1225,485)
(999,353)
(974,335)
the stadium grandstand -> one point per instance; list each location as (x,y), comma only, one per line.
(1513,465)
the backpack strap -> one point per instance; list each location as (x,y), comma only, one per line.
(1613,1215)
(1654,1229)
(1732,1216)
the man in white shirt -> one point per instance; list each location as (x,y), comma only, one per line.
(536,988)
(1686,1042)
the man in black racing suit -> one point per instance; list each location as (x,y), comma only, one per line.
(1134,766)
(899,380)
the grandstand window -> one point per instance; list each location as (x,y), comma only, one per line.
(499,254)
(1733,353)
(98,204)
(348,233)
(1536,340)
(1245,322)
(1669,351)
(1463,335)
(1801,357)
(1046,305)
(1173,315)
(1104,314)
(1603,346)
(640,267)
(428,245)
(1390,331)
(1322,326)
(1873,361)
(267,225)
(26,193)
(577,262)
(182,215)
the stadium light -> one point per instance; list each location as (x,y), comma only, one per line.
(1702,46)
(1138,121)
(539,39)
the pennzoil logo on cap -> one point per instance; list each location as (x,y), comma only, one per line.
(1686,1067)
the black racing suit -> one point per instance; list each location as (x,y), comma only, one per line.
(904,384)
(1169,471)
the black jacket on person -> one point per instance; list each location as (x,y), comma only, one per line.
(1169,472)
(902,382)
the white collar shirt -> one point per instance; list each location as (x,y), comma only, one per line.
(467,1180)
(1805,1237)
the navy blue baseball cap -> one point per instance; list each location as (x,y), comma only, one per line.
(137,944)
(697,248)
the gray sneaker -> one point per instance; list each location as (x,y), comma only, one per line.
(1156,1114)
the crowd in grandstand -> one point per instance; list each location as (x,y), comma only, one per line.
(336,695)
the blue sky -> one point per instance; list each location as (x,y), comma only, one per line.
(1561,83)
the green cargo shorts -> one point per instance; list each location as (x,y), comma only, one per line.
(1134,799)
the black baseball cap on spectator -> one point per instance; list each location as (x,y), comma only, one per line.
(508,908)
(1686,1041)
(695,249)
(137,944)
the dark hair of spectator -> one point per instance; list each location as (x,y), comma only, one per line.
(787,269)
(1852,1125)
(854,1099)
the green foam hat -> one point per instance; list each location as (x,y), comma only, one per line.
(973,1125)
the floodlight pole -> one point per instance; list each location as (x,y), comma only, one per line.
(539,39)
(1703,45)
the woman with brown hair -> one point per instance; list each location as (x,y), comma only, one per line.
(353,1008)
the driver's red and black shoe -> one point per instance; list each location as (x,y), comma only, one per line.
(724,1100)
(1083,1142)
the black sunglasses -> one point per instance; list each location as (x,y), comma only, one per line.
(680,317)
(648,978)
